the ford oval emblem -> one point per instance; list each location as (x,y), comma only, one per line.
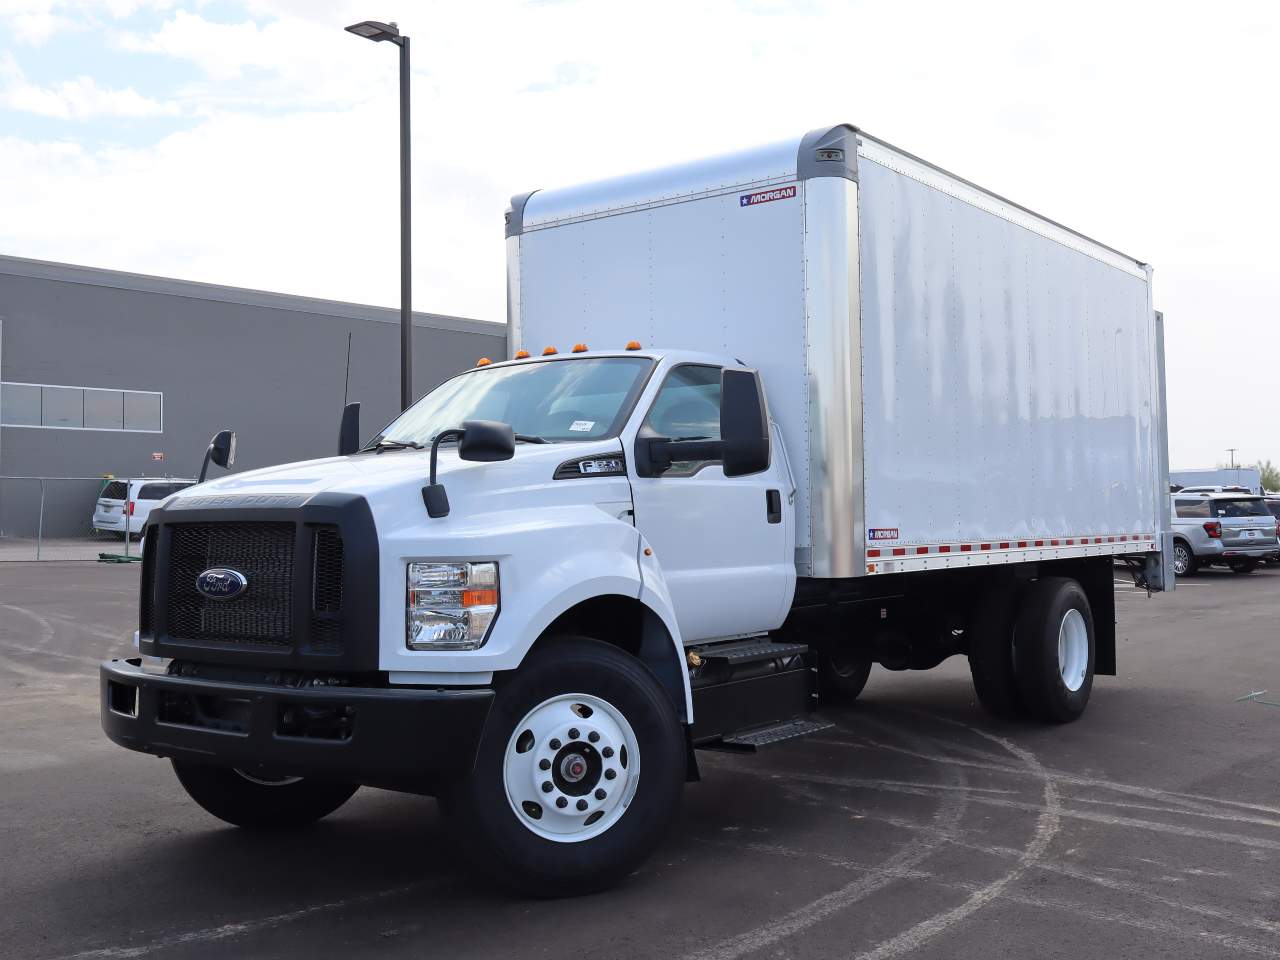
(221,583)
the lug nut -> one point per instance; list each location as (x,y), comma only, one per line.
(582,804)
(610,773)
(600,794)
(573,733)
(554,744)
(593,736)
(544,764)
(561,802)
(607,752)
(547,786)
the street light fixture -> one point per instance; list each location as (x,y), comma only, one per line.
(376,31)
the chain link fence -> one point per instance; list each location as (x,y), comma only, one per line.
(77,518)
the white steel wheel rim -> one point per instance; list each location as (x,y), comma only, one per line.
(571,768)
(1073,649)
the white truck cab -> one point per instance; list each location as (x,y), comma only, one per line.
(764,424)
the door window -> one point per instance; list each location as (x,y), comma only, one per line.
(687,407)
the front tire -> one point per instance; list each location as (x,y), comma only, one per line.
(1053,650)
(257,802)
(578,775)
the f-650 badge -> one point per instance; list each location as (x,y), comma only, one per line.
(764,196)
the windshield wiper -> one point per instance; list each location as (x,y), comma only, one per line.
(524,438)
(383,445)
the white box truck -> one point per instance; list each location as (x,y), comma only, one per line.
(768,419)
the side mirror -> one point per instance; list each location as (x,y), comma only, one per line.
(349,432)
(744,423)
(486,441)
(222,451)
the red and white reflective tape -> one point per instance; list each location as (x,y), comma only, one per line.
(940,549)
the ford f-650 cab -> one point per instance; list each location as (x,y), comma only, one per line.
(767,420)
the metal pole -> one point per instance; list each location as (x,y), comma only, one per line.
(406,283)
(40,522)
(128,489)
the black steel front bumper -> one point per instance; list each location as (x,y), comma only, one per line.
(398,738)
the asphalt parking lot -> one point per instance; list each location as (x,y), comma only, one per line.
(919,827)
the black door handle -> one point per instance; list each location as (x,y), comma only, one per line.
(773,505)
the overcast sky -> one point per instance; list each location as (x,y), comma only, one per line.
(254,143)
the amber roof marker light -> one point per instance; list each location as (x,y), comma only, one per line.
(579,348)
(522,354)
(549,351)
(633,344)
(483,362)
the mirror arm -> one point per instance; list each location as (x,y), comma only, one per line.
(434,496)
(204,468)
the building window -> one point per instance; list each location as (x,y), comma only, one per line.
(54,407)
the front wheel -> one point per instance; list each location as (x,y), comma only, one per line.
(578,774)
(259,801)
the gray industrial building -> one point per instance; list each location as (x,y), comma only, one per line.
(114,373)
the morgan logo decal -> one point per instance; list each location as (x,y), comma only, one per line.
(883,533)
(765,196)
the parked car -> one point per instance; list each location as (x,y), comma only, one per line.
(126,504)
(1235,529)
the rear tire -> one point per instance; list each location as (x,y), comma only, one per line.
(1054,650)
(991,653)
(842,677)
(249,800)
(557,731)
(1184,561)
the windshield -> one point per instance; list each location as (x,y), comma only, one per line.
(569,399)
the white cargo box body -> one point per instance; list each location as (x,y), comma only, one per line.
(958,380)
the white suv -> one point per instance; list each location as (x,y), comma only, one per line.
(1222,527)
(120,507)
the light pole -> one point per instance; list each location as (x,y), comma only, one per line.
(373,30)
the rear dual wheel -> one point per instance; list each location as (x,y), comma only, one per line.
(1039,663)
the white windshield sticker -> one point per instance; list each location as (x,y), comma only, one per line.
(582,426)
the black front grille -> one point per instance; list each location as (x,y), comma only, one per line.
(326,590)
(262,616)
(311,571)
(146,611)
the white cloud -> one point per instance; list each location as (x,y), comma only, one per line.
(1141,124)
(34,21)
(80,98)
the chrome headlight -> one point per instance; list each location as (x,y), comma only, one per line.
(450,606)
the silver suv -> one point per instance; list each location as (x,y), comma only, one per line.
(1224,527)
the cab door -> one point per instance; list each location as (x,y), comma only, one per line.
(725,544)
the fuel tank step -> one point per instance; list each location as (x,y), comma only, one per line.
(752,740)
(738,653)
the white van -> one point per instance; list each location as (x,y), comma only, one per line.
(125,504)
